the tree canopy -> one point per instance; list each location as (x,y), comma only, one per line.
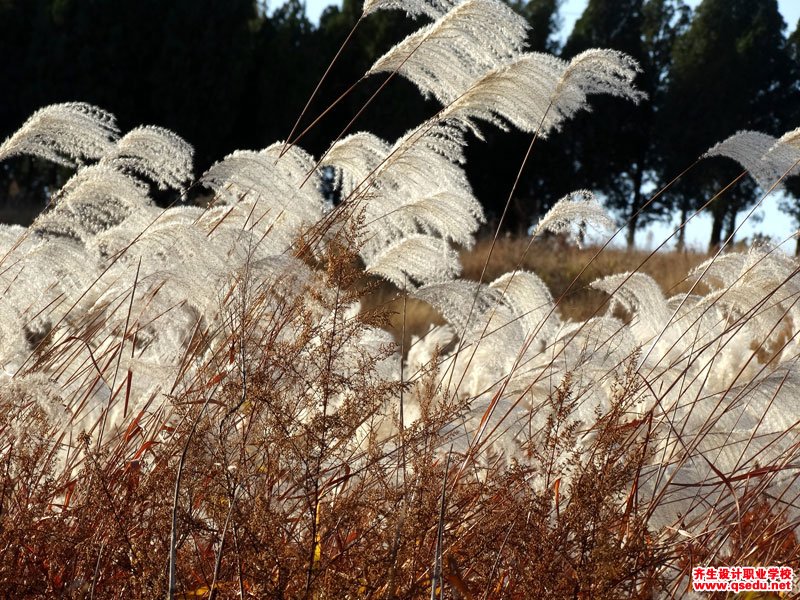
(731,71)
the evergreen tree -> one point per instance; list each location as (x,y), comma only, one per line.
(21,181)
(615,148)
(730,72)
(287,62)
(201,79)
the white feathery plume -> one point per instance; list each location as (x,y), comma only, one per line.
(355,158)
(281,276)
(699,319)
(428,155)
(597,71)
(10,237)
(265,191)
(423,349)
(641,296)
(260,174)
(415,260)
(180,278)
(273,231)
(242,246)
(454,299)
(445,58)
(537,92)
(452,216)
(493,332)
(791,138)
(766,158)
(416,200)
(486,353)
(531,301)
(431,8)
(43,281)
(440,146)
(757,295)
(497,337)
(172,301)
(162,312)
(721,271)
(756,269)
(93,200)
(167,244)
(111,242)
(574,213)
(594,346)
(415,186)
(68,134)
(519,93)
(785,154)
(14,347)
(155,153)
(751,427)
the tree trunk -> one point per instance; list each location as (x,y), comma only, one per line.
(730,224)
(716,230)
(636,205)
(630,232)
(680,245)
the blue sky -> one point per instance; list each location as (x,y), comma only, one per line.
(769,220)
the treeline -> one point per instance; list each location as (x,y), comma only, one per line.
(225,75)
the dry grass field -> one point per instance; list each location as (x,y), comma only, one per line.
(566,269)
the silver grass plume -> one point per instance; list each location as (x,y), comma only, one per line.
(766,158)
(450,215)
(415,260)
(597,345)
(733,279)
(68,134)
(11,236)
(454,299)
(355,158)
(791,138)
(530,299)
(495,323)
(183,246)
(155,153)
(573,214)
(362,158)
(518,93)
(445,58)
(598,71)
(431,8)
(111,242)
(42,280)
(15,346)
(264,192)
(641,296)
(93,200)
(261,175)
(537,92)
(415,186)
